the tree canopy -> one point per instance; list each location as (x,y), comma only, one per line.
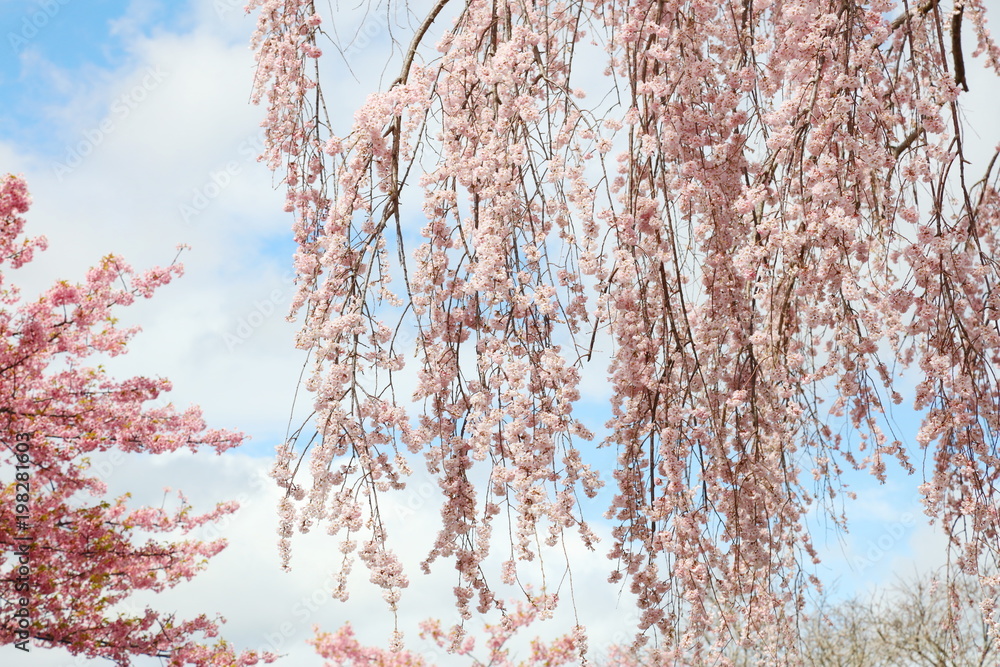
(72,558)
(732,211)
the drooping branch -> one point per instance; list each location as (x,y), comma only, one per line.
(417,40)
(734,213)
(956,45)
(920,10)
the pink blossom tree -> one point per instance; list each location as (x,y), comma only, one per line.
(731,210)
(71,557)
(342,649)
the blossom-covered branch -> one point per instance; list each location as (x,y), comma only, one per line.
(72,558)
(755,207)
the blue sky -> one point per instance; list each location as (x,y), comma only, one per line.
(94,104)
(152,100)
(63,48)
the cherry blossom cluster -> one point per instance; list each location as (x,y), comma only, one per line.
(342,648)
(89,553)
(751,223)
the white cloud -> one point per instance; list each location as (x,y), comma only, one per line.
(270,609)
(175,131)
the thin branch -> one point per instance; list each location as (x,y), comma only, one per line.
(919,11)
(421,31)
(956,45)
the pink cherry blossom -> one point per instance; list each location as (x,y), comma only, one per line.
(733,213)
(84,553)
